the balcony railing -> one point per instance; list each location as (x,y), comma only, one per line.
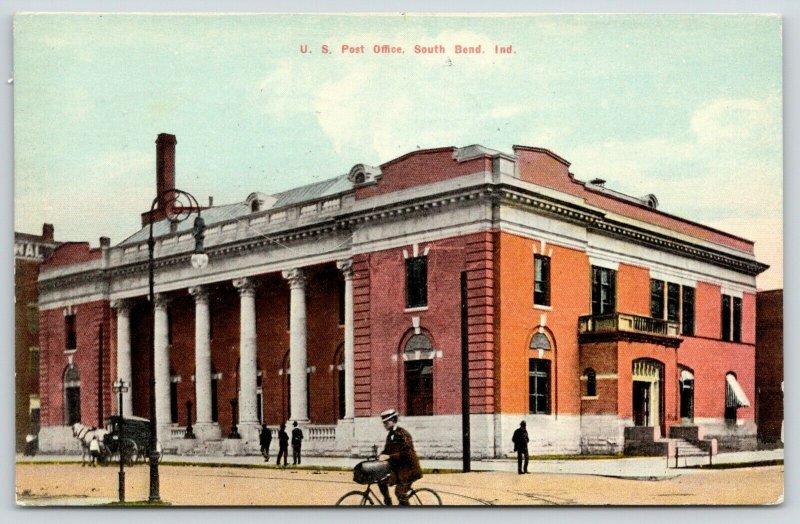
(627,322)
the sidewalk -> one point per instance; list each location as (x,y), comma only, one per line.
(624,467)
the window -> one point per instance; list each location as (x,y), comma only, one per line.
(539,386)
(673,302)
(591,382)
(540,341)
(737,319)
(72,336)
(33,365)
(419,387)
(214,398)
(687,324)
(32,313)
(417,282)
(72,396)
(541,282)
(687,395)
(657,298)
(726,317)
(604,294)
(173,400)
(255,206)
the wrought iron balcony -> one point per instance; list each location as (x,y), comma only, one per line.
(626,324)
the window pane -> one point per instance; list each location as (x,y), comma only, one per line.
(688,311)
(673,301)
(737,319)
(416,282)
(726,317)
(657,298)
(541,286)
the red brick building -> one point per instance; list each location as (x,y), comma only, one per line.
(605,323)
(29,252)
(769,367)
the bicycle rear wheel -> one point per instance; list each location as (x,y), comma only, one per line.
(424,497)
(355,498)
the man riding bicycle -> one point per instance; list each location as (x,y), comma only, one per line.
(403,460)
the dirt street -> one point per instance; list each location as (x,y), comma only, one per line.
(260,486)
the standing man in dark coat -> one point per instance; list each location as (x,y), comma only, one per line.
(265,439)
(399,452)
(520,440)
(283,445)
(297,443)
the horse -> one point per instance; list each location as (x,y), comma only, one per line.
(85,434)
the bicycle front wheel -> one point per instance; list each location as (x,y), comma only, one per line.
(424,497)
(355,498)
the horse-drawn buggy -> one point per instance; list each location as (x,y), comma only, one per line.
(130,437)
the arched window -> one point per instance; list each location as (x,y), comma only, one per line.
(418,355)
(72,395)
(255,206)
(540,341)
(591,382)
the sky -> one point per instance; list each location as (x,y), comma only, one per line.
(687,107)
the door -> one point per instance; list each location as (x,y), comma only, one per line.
(641,403)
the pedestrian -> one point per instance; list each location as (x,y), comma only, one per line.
(265,439)
(94,450)
(520,440)
(402,458)
(297,443)
(283,445)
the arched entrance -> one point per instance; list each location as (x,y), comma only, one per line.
(648,392)
(72,395)
(686,383)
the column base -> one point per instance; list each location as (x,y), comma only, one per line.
(207,431)
(250,432)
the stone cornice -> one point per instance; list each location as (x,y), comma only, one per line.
(593,219)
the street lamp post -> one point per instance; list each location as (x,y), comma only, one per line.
(178,206)
(120,387)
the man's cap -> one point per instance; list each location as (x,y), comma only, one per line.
(294,423)
(522,423)
(388,415)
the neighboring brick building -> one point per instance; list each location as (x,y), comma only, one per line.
(769,367)
(602,321)
(29,252)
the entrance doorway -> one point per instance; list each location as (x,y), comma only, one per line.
(641,403)
(648,393)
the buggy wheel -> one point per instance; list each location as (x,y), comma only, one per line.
(356,498)
(129,451)
(424,497)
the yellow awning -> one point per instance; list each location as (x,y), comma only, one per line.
(734,394)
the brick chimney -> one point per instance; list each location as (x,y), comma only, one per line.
(165,166)
(165,176)
(47,232)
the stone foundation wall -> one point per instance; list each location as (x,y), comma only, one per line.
(603,434)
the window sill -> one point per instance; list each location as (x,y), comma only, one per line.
(70,351)
(415,309)
(543,308)
(593,397)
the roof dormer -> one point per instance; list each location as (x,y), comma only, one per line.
(363,175)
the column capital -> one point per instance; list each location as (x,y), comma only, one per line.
(122,305)
(246,286)
(346,267)
(199,293)
(296,278)
(161,301)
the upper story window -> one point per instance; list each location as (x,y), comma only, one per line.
(674,305)
(604,290)
(731,318)
(687,311)
(417,282)
(657,298)
(541,281)
(71,333)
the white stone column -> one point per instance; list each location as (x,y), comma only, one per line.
(297,344)
(346,267)
(124,367)
(161,350)
(203,427)
(248,415)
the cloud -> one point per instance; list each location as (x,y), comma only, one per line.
(740,120)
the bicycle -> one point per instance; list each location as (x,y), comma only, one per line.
(370,472)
